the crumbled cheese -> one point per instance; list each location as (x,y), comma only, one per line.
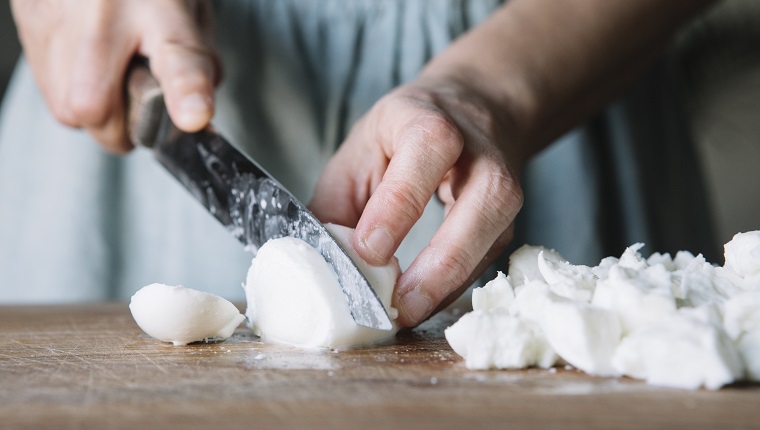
(672,321)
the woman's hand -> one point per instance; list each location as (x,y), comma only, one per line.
(497,95)
(431,135)
(79,52)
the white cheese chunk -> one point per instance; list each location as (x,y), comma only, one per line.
(294,296)
(680,352)
(182,315)
(493,339)
(632,259)
(566,280)
(741,313)
(602,271)
(749,349)
(697,283)
(583,335)
(531,300)
(496,294)
(742,255)
(639,297)
(523,264)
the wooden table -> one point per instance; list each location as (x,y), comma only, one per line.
(91,367)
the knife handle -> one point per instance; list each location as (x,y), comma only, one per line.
(145,104)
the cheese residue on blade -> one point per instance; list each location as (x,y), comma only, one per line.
(672,321)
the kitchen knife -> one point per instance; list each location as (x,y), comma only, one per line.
(253,206)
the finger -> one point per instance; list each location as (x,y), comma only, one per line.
(52,72)
(469,238)
(421,151)
(186,68)
(112,135)
(98,103)
(95,98)
(496,250)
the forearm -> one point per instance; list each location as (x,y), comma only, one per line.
(551,64)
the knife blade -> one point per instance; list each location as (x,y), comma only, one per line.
(249,202)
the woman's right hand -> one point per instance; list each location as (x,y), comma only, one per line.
(79,52)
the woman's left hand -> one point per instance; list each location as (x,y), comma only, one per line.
(435,134)
(499,94)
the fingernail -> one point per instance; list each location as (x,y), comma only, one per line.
(194,108)
(380,243)
(416,305)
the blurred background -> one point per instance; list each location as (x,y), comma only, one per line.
(720,65)
(719,60)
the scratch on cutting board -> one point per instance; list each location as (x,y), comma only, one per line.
(103,326)
(26,360)
(22,360)
(54,362)
(63,360)
(158,366)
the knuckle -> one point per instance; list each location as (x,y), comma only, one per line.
(501,199)
(186,52)
(501,185)
(409,206)
(89,107)
(62,114)
(457,264)
(431,144)
(510,192)
(426,121)
(90,101)
(183,69)
(438,133)
(186,80)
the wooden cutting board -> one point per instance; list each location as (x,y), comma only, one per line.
(91,367)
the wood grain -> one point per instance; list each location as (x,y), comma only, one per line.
(91,367)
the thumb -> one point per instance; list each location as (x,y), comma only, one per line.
(187,76)
(187,70)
